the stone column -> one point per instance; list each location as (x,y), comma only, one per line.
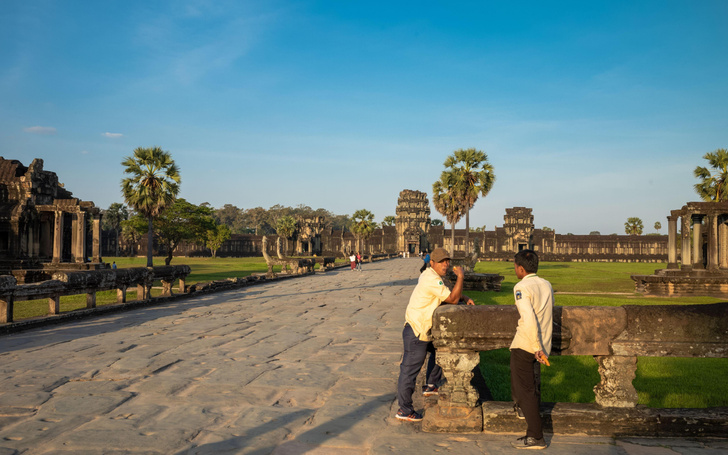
(713,243)
(722,243)
(686,255)
(58,237)
(96,240)
(457,367)
(615,389)
(698,242)
(78,239)
(672,242)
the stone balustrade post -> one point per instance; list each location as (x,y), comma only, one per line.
(121,294)
(54,304)
(91,300)
(6,309)
(615,389)
(182,285)
(457,367)
(167,287)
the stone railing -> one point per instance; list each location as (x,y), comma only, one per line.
(89,282)
(615,336)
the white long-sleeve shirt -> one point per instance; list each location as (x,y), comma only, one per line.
(535,302)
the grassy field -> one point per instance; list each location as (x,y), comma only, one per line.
(661,382)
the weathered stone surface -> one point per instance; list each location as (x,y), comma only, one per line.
(591,419)
(615,388)
(453,419)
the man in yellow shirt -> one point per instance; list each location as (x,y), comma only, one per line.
(531,345)
(429,293)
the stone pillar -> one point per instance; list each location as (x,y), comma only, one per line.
(58,237)
(615,389)
(457,409)
(672,242)
(121,295)
(6,309)
(91,300)
(96,240)
(722,243)
(78,239)
(698,242)
(457,367)
(713,243)
(54,305)
(686,255)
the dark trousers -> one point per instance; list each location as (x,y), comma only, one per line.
(526,389)
(415,352)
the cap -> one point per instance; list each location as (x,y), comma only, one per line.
(439,254)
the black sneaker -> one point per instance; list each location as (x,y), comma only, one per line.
(519,412)
(412,417)
(430,390)
(528,442)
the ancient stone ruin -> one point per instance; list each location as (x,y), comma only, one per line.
(43,228)
(702,248)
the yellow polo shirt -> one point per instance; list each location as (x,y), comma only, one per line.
(429,293)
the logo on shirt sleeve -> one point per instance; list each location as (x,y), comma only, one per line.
(440,283)
(518,295)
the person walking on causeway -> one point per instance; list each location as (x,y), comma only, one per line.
(429,293)
(531,346)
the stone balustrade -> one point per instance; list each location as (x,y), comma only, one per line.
(89,282)
(615,336)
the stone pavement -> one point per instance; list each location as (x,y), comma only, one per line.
(306,365)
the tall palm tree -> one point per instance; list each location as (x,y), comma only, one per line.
(474,178)
(446,201)
(362,225)
(713,186)
(152,185)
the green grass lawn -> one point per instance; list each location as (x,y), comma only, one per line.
(667,382)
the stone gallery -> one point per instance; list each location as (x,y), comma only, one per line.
(42,226)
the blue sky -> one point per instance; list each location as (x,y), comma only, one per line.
(590,112)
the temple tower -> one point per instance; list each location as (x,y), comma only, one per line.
(519,229)
(412,221)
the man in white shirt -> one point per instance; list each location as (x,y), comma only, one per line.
(531,345)
(429,293)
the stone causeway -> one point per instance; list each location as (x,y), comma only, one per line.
(300,366)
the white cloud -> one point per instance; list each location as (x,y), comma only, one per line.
(84,152)
(45,130)
(112,135)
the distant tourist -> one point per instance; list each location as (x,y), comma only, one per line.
(352,259)
(358,261)
(531,346)
(426,264)
(429,293)
(113,265)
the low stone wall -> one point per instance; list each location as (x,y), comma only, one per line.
(89,282)
(615,336)
(682,284)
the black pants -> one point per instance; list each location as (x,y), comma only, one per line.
(526,389)
(415,352)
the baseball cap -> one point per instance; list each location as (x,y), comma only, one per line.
(439,254)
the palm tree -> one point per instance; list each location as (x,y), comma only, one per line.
(446,201)
(633,226)
(713,186)
(286,227)
(152,185)
(474,177)
(362,225)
